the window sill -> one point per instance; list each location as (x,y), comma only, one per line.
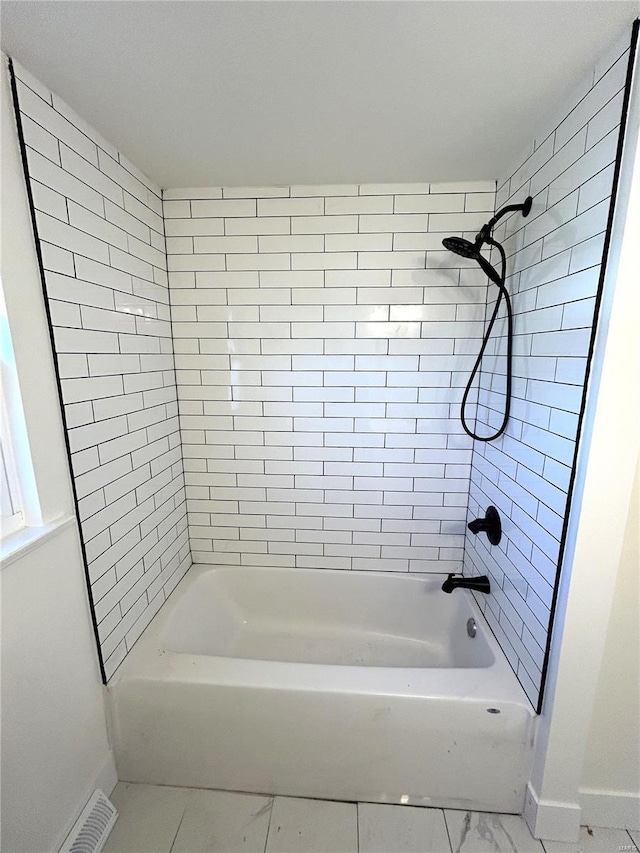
(18,544)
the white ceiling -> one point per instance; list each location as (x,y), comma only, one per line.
(330,91)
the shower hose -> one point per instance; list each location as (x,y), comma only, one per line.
(499,280)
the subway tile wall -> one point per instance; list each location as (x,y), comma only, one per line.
(554,259)
(322,338)
(315,342)
(101,234)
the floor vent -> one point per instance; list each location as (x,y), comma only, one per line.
(92,828)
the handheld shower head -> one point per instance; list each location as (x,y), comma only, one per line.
(472,251)
(462,247)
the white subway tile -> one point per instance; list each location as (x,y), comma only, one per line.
(48,201)
(358,278)
(56,259)
(124,177)
(320,296)
(356,312)
(393,189)
(79,167)
(464,186)
(324,225)
(195,263)
(130,224)
(286,243)
(421,240)
(177,209)
(605,120)
(255,192)
(394,223)
(587,253)
(391,260)
(291,278)
(192,192)
(258,225)
(323,261)
(32,82)
(225,207)
(66,237)
(194,227)
(440,203)
(43,114)
(180,245)
(291,207)
(364,204)
(97,226)
(40,140)
(225,245)
(588,106)
(358,242)
(275,261)
(145,214)
(302,191)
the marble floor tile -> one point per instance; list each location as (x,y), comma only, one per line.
(159,819)
(148,818)
(484,832)
(401,829)
(312,826)
(594,840)
(223,822)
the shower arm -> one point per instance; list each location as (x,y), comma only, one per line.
(486,229)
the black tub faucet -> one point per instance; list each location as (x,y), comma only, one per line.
(479,584)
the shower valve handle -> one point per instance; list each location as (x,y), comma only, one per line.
(490,525)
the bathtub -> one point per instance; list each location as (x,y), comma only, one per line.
(340,685)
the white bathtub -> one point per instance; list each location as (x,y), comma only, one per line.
(340,685)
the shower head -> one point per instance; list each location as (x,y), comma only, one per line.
(462,247)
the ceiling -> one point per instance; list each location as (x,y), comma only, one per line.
(325,91)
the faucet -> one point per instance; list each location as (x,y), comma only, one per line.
(479,584)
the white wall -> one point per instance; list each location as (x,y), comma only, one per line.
(323,336)
(54,738)
(611,769)
(101,234)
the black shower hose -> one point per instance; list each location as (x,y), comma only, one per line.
(499,280)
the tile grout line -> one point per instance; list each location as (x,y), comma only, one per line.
(179,824)
(266,838)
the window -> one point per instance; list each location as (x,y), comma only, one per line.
(17,470)
(12,516)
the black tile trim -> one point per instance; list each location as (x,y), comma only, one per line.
(603,268)
(23,156)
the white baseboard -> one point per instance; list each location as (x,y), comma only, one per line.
(550,820)
(610,809)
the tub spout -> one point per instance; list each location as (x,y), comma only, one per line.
(479,584)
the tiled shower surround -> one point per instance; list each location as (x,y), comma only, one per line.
(101,236)
(554,260)
(322,338)
(304,360)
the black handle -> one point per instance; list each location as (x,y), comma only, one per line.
(490,525)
